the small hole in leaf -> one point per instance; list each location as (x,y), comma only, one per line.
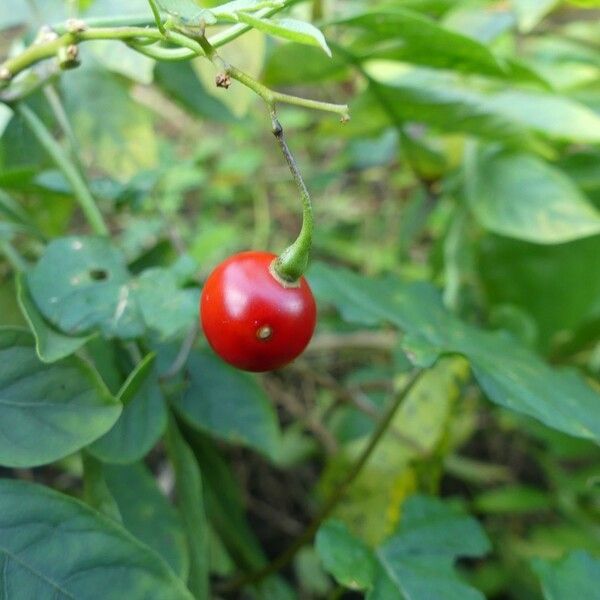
(98,274)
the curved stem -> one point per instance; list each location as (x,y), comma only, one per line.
(293,261)
(78,185)
(286,557)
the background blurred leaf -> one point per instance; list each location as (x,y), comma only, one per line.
(289,29)
(521,196)
(576,576)
(406,36)
(115,132)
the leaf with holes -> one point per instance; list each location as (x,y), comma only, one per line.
(51,345)
(55,546)
(47,411)
(82,283)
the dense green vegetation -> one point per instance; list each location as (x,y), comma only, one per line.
(438,439)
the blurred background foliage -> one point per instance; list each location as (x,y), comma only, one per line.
(472,161)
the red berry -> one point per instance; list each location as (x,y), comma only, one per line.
(251,318)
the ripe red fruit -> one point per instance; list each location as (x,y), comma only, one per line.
(251,318)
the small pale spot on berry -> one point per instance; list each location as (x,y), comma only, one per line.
(264,333)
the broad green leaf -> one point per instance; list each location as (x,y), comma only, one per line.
(348,559)
(167,310)
(521,196)
(527,275)
(82,283)
(289,29)
(509,373)
(531,12)
(142,421)
(416,562)
(147,514)
(575,576)
(407,36)
(448,102)
(63,548)
(228,404)
(190,501)
(47,411)
(116,134)
(51,345)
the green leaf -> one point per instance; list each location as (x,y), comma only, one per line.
(147,514)
(447,101)
(50,344)
(575,576)
(407,36)
(349,560)
(228,404)
(289,29)
(116,134)
(416,562)
(168,310)
(47,411)
(142,421)
(310,66)
(521,196)
(190,501)
(510,374)
(95,490)
(81,283)
(121,59)
(526,275)
(6,115)
(62,547)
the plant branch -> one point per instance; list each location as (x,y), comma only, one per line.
(78,184)
(286,557)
